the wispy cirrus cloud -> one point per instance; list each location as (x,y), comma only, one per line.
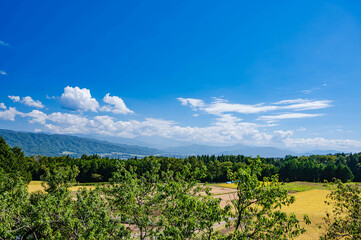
(288,116)
(222,106)
(4,44)
(3,73)
(308,91)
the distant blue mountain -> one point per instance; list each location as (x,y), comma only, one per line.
(229,150)
(57,145)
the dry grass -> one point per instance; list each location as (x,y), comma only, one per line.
(36,186)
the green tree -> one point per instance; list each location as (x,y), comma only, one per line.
(161,205)
(345,220)
(258,205)
(13,162)
(56,213)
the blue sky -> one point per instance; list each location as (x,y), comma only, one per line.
(271,73)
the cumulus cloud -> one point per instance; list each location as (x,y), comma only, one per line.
(225,129)
(28,101)
(15,98)
(2,106)
(9,114)
(78,99)
(37,116)
(115,105)
(192,102)
(2,72)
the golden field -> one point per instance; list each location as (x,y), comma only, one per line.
(310,200)
(36,186)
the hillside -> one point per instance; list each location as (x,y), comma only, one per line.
(57,145)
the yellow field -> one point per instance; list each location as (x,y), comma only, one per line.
(36,186)
(310,200)
(311,203)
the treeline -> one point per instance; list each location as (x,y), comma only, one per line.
(93,168)
(316,168)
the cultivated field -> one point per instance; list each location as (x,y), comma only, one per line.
(310,199)
(36,186)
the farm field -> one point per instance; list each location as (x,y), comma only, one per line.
(310,199)
(36,186)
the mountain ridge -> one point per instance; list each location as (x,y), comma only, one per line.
(48,144)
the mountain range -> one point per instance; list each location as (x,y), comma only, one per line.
(58,144)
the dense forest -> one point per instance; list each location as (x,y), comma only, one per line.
(316,168)
(93,168)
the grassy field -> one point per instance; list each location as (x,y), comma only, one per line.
(36,186)
(291,186)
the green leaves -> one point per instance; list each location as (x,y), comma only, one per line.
(257,207)
(161,205)
(153,205)
(345,220)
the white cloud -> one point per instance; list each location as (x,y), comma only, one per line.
(280,135)
(192,102)
(116,105)
(9,114)
(323,144)
(221,106)
(15,98)
(64,123)
(78,99)
(4,44)
(28,101)
(2,106)
(301,129)
(225,129)
(37,116)
(308,105)
(291,101)
(2,72)
(308,91)
(288,116)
